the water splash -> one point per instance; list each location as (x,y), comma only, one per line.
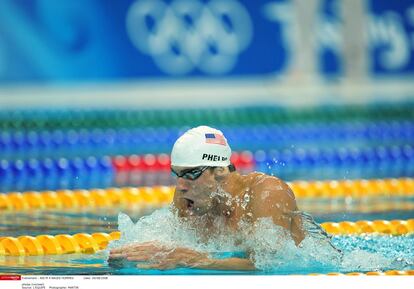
(376,252)
(270,247)
(274,249)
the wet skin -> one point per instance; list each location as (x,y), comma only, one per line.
(247,197)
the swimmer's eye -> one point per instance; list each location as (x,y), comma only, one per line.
(191,174)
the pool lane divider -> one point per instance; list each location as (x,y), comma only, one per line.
(81,142)
(162,195)
(36,119)
(91,243)
(95,198)
(385,227)
(56,245)
(151,169)
(392,157)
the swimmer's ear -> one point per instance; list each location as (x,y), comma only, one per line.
(220,173)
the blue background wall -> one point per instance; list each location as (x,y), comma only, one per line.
(78,40)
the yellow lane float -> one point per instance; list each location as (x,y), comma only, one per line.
(161,195)
(91,243)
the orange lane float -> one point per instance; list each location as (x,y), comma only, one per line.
(55,245)
(394,227)
(161,195)
(91,243)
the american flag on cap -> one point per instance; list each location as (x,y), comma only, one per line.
(215,138)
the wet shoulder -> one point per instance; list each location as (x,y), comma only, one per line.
(258,179)
(264,185)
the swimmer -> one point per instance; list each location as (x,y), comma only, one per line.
(208,188)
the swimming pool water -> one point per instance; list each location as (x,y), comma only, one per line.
(72,221)
(356,248)
(394,252)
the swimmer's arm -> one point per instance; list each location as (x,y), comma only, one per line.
(274,198)
(237,264)
(169,258)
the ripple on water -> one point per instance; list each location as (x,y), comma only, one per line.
(271,247)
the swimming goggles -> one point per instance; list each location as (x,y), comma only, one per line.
(191,174)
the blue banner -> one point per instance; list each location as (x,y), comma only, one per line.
(103,40)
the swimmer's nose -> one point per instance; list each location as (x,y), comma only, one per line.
(182,184)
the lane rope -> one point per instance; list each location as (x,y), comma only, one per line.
(91,243)
(162,195)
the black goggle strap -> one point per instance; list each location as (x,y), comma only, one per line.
(192,173)
(196,172)
(232,168)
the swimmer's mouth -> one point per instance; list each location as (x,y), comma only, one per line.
(190,203)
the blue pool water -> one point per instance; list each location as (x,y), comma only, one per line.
(53,222)
(360,253)
(357,248)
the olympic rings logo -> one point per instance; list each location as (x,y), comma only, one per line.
(190,34)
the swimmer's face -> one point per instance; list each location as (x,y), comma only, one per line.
(194,189)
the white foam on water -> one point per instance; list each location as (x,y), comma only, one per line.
(274,249)
(162,226)
(270,247)
(372,252)
(360,260)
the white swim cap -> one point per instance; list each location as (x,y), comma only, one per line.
(201,146)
